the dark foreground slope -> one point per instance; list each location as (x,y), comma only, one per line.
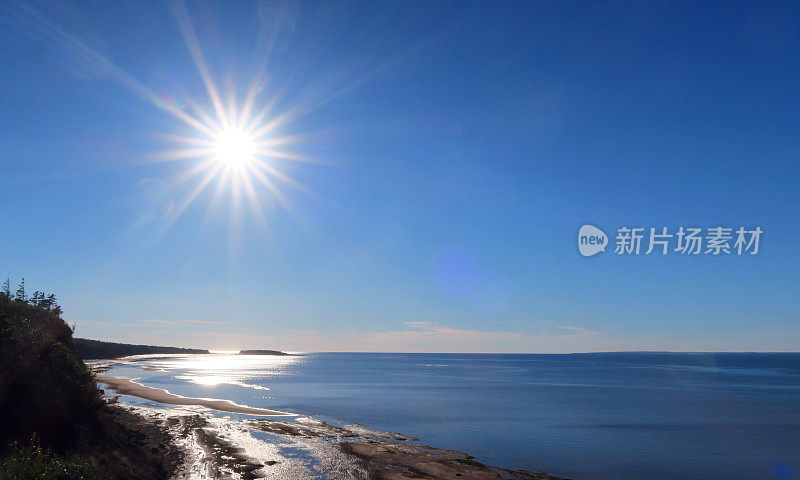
(53,422)
(97,349)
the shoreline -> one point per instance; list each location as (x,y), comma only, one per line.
(127,386)
(227,449)
(262,448)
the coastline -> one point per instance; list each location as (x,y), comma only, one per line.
(261,448)
(222,448)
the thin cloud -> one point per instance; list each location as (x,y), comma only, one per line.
(420,325)
(572,328)
(181,322)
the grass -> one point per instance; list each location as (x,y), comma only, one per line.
(34,462)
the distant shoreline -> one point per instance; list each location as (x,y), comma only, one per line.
(102,350)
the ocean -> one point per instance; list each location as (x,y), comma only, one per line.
(621,416)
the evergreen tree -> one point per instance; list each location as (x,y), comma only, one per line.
(50,304)
(20,295)
(38,299)
(7,288)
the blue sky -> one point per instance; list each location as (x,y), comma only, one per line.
(455,149)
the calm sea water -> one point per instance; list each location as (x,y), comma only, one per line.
(589,416)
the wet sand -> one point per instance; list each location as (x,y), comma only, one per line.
(208,447)
(389,460)
(388,456)
(126,386)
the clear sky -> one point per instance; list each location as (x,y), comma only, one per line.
(432,164)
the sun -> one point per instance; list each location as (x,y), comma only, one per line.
(237,143)
(234,149)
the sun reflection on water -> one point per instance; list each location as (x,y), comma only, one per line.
(226,368)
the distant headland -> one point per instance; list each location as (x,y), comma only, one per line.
(262,352)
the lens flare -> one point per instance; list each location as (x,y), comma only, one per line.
(239,145)
(235,143)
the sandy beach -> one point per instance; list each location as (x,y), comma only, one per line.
(127,386)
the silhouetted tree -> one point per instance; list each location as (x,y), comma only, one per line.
(20,295)
(51,304)
(37,299)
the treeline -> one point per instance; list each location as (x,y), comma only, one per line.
(38,298)
(97,349)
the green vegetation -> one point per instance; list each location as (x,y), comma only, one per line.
(52,415)
(95,349)
(45,388)
(32,461)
